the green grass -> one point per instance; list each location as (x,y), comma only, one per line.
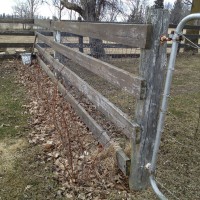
(12,117)
(23,172)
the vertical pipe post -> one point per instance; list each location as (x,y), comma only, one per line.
(166,94)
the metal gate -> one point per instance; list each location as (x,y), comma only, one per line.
(152,166)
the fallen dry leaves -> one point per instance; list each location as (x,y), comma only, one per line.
(82,167)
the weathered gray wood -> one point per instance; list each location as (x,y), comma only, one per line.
(16,45)
(80,43)
(43,23)
(119,118)
(17,21)
(180,45)
(97,130)
(153,63)
(123,162)
(80,39)
(63,34)
(17,32)
(9,56)
(185,27)
(135,35)
(127,81)
(57,38)
(87,45)
(189,36)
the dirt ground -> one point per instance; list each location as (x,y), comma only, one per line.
(35,163)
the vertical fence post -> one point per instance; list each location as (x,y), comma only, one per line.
(152,68)
(80,38)
(57,56)
(57,38)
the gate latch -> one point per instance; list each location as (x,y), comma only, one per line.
(164,38)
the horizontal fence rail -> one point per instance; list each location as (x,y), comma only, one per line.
(16,45)
(119,118)
(125,80)
(17,21)
(135,35)
(146,87)
(17,32)
(122,160)
(185,26)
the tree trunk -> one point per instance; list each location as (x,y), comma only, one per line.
(89,14)
(96,48)
(195,9)
(89,11)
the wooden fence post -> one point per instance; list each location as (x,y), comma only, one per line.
(152,68)
(80,39)
(57,38)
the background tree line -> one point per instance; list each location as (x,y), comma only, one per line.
(134,11)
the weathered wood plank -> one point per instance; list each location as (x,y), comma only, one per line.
(180,45)
(185,27)
(119,118)
(135,35)
(63,34)
(190,36)
(16,45)
(152,68)
(43,23)
(125,80)
(122,160)
(17,32)
(17,21)
(87,45)
(13,56)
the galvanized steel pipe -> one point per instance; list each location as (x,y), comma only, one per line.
(166,93)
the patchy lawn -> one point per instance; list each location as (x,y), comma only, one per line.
(34,164)
(23,172)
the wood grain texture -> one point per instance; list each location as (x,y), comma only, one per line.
(16,45)
(119,118)
(134,35)
(17,21)
(123,79)
(122,160)
(17,32)
(152,68)
(43,23)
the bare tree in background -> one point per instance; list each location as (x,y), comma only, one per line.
(26,8)
(178,11)
(20,9)
(159,4)
(59,8)
(187,2)
(138,11)
(94,10)
(111,11)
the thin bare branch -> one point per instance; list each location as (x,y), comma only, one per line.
(72,6)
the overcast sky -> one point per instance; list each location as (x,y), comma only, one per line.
(44,10)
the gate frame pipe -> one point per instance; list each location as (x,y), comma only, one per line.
(152,166)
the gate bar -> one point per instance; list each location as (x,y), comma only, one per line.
(152,166)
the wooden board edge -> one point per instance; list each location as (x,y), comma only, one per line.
(100,134)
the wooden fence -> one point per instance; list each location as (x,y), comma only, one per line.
(146,87)
(65,26)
